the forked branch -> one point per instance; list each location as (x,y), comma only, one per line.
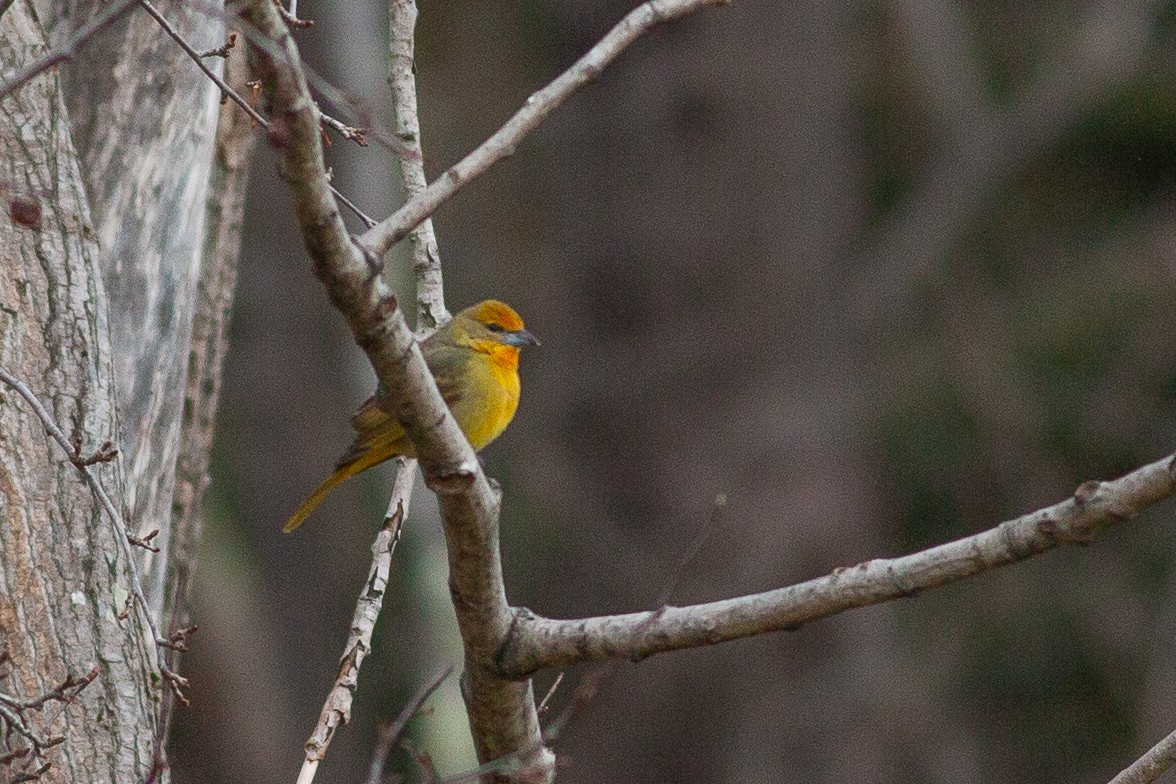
(502,712)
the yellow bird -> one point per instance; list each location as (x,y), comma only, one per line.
(475,360)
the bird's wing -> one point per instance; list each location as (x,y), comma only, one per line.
(372,422)
(448,364)
(369,418)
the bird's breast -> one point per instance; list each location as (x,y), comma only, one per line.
(492,400)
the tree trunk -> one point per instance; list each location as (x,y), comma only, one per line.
(63,578)
(143,118)
(141,196)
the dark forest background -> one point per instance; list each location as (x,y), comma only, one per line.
(881,274)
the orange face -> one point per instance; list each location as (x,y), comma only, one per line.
(494,328)
(494,313)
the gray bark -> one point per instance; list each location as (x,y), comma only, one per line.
(144,121)
(62,576)
(140,219)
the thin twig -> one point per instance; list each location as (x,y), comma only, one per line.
(349,133)
(392,733)
(64,692)
(1151,765)
(508,766)
(145,541)
(31,775)
(353,107)
(423,760)
(691,552)
(174,680)
(290,15)
(337,707)
(367,220)
(69,48)
(594,680)
(167,703)
(15,721)
(541,708)
(223,50)
(237,98)
(12,717)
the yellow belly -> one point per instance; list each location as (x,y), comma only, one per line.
(488,401)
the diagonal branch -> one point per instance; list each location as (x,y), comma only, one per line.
(69,48)
(393,732)
(431,311)
(539,642)
(228,92)
(1152,765)
(337,708)
(639,21)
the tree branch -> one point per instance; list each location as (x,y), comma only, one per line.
(392,732)
(14,722)
(431,307)
(228,92)
(426,259)
(504,141)
(1151,765)
(538,642)
(67,50)
(337,708)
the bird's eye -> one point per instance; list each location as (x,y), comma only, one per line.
(496,328)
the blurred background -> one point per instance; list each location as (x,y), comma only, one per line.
(882,274)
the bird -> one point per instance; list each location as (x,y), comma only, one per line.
(475,360)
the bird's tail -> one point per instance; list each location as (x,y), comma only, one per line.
(361,463)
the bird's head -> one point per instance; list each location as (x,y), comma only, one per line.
(492,327)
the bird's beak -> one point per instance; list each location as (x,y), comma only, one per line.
(520,338)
